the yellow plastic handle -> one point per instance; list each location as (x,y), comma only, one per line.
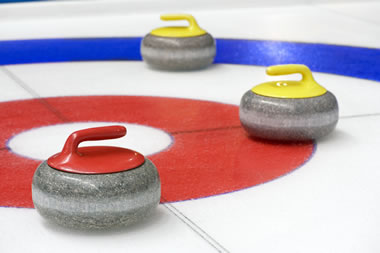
(193,25)
(179,31)
(305,88)
(307,77)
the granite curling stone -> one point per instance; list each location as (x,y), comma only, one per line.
(289,110)
(96,187)
(178,48)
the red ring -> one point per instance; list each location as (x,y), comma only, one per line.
(211,153)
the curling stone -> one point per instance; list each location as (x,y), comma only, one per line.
(96,187)
(178,48)
(289,110)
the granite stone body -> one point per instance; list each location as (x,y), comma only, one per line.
(96,201)
(185,53)
(289,119)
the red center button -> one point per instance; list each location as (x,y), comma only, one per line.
(96,159)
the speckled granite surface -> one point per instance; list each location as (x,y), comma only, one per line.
(96,201)
(188,53)
(290,119)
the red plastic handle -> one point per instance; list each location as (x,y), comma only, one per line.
(92,134)
(97,159)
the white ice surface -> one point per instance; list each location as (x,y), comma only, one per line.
(328,205)
(222,83)
(331,204)
(10,90)
(315,23)
(23,230)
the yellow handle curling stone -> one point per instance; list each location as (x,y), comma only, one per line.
(289,110)
(178,47)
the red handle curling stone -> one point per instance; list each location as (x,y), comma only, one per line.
(95,159)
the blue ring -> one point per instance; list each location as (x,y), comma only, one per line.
(341,60)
